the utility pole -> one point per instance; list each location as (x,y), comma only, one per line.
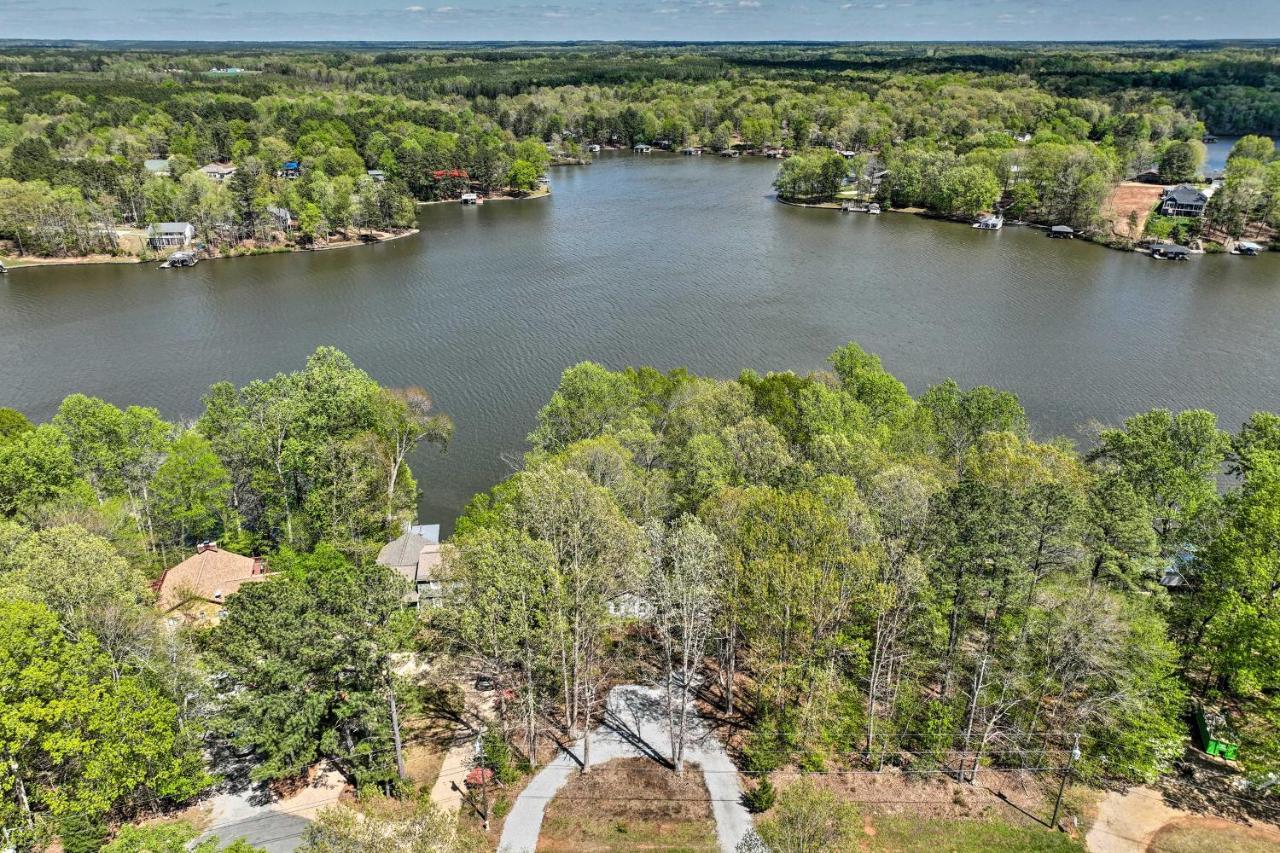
(1066,774)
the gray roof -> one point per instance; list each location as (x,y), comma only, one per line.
(1183,194)
(169,228)
(404,553)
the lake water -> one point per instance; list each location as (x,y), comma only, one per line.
(661,260)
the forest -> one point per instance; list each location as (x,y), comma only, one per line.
(865,579)
(949,124)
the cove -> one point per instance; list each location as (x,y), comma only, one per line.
(663,260)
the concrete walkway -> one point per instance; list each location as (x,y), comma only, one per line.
(635,725)
(447,791)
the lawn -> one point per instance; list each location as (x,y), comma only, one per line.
(962,835)
(631,804)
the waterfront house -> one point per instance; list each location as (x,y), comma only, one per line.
(291,169)
(1062,232)
(691,151)
(641,148)
(377,174)
(416,557)
(196,590)
(166,235)
(280,217)
(1183,200)
(157,167)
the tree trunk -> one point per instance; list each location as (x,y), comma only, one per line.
(395,726)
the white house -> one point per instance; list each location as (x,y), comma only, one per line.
(218,171)
(164,235)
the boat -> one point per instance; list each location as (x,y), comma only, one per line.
(179,259)
(593,148)
(3,269)
(469,198)
(1244,247)
(873,208)
(990,223)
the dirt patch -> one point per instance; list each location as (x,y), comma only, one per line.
(1127,209)
(1136,821)
(631,804)
(1194,834)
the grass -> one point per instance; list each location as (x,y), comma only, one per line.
(631,804)
(963,835)
(564,833)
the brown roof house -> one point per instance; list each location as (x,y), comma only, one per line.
(197,588)
(416,556)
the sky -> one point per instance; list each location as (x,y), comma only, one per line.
(552,20)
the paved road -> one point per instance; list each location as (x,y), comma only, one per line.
(635,725)
(249,811)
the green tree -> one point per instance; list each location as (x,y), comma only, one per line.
(74,739)
(1181,161)
(35,467)
(809,819)
(523,176)
(310,661)
(191,490)
(13,423)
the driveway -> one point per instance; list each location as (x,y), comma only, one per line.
(249,810)
(635,725)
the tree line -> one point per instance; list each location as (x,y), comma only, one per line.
(951,126)
(865,578)
(873,579)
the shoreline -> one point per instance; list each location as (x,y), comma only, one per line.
(99,260)
(925,214)
(542,192)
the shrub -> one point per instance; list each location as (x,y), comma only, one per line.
(760,798)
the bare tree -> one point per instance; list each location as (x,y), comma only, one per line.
(686,562)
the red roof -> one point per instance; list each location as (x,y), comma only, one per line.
(449,173)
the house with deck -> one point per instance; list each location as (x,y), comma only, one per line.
(195,591)
(170,235)
(415,555)
(1184,200)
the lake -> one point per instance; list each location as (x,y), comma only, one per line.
(663,260)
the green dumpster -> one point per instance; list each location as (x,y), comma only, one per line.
(1216,734)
